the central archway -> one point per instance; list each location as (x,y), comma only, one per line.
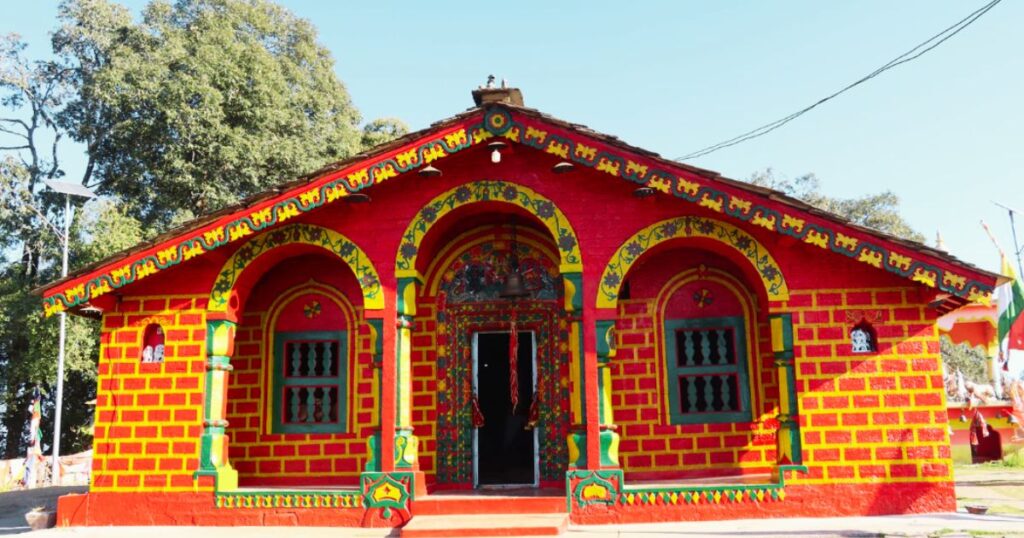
(570,260)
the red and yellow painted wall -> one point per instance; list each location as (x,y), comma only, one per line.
(868,431)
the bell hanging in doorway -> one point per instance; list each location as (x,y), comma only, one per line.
(513,287)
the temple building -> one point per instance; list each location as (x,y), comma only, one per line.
(510,313)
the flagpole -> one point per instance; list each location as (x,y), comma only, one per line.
(1013,230)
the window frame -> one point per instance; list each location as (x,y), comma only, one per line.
(741,370)
(280,382)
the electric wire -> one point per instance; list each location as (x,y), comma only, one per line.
(908,56)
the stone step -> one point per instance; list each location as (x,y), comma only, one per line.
(486,525)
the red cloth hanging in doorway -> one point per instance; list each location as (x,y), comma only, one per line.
(513,366)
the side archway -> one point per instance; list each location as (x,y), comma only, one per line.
(297,234)
(735,239)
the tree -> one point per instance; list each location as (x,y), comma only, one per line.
(969,360)
(381,131)
(878,211)
(202,102)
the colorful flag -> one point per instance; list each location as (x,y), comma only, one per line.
(35,440)
(1009,305)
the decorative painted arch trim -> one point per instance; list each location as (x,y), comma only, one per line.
(690,227)
(545,210)
(298,234)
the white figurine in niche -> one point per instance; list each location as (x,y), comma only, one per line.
(861,341)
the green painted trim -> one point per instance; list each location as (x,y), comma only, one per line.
(673,370)
(377,325)
(340,382)
(327,499)
(406,293)
(373,452)
(574,291)
(605,339)
(583,372)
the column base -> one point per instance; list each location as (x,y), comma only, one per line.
(609,445)
(406,451)
(225,477)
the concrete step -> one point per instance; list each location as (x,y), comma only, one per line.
(449,504)
(486,525)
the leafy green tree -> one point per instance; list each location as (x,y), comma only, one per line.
(878,211)
(202,102)
(382,131)
(969,360)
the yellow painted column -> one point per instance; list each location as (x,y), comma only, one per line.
(213,455)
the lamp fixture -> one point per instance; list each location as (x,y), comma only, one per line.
(357,198)
(429,171)
(643,192)
(496,148)
(563,167)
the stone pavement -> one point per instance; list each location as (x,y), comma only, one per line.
(947,525)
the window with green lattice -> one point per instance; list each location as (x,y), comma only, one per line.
(310,373)
(706,370)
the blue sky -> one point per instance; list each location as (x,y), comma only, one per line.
(943,131)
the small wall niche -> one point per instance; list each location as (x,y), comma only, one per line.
(863,338)
(153,344)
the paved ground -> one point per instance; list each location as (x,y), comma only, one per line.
(14,504)
(1000,488)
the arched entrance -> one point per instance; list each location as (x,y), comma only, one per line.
(491,375)
(698,377)
(283,316)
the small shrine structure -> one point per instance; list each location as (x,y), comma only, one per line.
(506,299)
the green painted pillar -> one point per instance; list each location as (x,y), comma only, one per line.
(213,452)
(577,438)
(406,443)
(373,461)
(608,436)
(789,448)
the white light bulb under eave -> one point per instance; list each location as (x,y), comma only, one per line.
(496,156)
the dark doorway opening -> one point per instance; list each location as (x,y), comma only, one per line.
(505,447)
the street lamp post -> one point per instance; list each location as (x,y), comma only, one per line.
(68,190)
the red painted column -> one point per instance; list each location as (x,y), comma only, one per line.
(388,383)
(591,396)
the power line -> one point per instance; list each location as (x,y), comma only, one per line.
(910,55)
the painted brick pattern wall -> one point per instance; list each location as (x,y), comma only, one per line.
(650,445)
(424,384)
(870,417)
(149,416)
(294,459)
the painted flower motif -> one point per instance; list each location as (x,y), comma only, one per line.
(510,193)
(407,250)
(634,249)
(769,272)
(462,194)
(545,209)
(743,243)
(566,242)
(368,281)
(246,254)
(315,234)
(278,238)
(347,249)
(705,227)
(429,214)
(669,229)
(611,280)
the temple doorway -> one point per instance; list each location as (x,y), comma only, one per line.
(505,446)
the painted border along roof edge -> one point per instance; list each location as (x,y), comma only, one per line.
(752,204)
